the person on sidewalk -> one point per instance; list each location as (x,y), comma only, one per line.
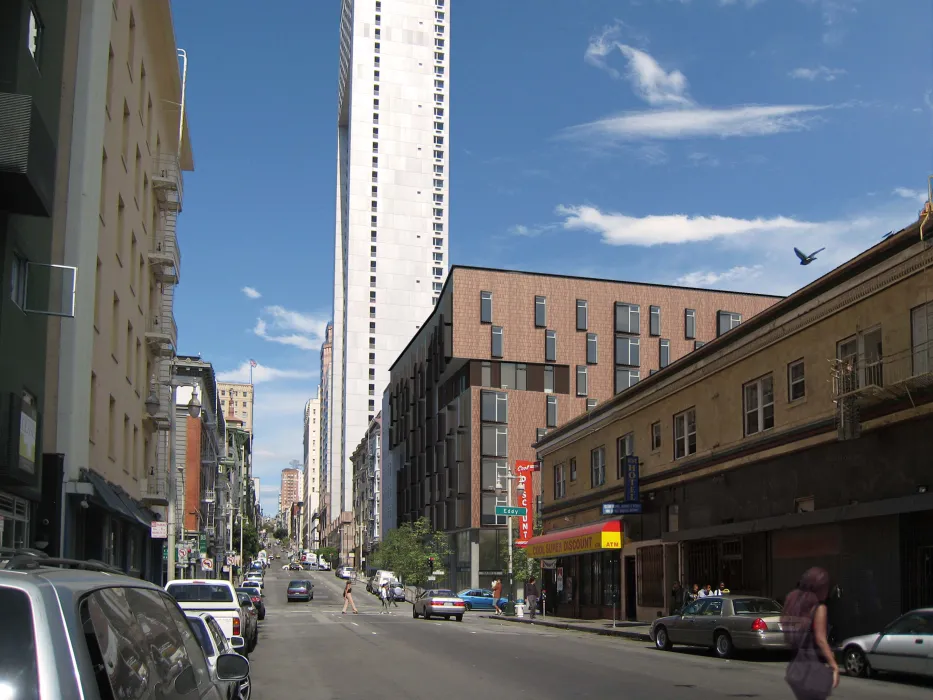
(496,595)
(531,596)
(348,598)
(722,590)
(680,596)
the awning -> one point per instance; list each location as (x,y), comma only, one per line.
(112,500)
(598,537)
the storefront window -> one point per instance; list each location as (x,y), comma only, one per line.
(609,565)
(14,521)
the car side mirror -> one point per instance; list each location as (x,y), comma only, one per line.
(232,667)
(237,642)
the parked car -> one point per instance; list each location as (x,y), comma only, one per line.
(723,623)
(300,590)
(250,619)
(257,597)
(345,572)
(214,643)
(480,599)
(904,646)
(80,629)
(215,596)
(438,602)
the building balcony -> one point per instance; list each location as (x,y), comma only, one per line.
(208,496)
(162,335)
(165,258)
(167,183)
(870,380)
(155,490)
(27,158)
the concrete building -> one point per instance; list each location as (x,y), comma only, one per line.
(367,493)
(257,491)
(290,491)
(791,441)
(507,356)
(237,398)
(391,235)
(324,499)
(312,471)
(129,149)
(38,52)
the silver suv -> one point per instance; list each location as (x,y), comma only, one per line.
(81,629)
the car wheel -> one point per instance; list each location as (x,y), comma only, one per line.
(427,615)
(469,607)
(723,645)
(661,640)
(414,613)
(244,689)
(459,618)
(855,662)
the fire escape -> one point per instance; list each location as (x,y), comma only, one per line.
(162,333)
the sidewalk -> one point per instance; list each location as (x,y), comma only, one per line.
(623,628)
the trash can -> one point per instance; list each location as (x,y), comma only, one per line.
(519,610)
(509,608)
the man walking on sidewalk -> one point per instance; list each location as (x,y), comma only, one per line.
(496,594)
(531,596)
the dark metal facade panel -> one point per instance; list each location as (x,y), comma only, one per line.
(27,157)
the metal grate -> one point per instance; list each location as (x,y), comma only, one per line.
(649,567)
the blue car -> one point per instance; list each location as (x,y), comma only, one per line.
(479,599)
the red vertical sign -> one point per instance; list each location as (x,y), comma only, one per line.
(524,471)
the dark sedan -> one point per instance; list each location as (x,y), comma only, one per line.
(300,590)
(256,596)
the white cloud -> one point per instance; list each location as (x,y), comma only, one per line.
(262,373)
(251,292)
(529,231)
(818,73)
(286,327)
(619,229)
(741,121)
(739,273)
(918,196)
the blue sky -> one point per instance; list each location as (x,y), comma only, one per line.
(677,141)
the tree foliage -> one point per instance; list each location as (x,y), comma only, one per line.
(280,534)
(328,554)
(250,540)
(409,549)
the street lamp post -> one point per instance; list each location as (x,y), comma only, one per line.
(520,488)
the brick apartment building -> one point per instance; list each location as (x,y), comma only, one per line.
(505,356)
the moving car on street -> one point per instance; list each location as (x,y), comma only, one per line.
(214,596)
(346,572)
(82,629)
(294,566)
(214,643)
(256,596)
(300,590)
(438,603)
(904,646)
(480,599)
(723,623)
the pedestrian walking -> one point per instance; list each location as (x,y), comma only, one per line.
(805,629)
(680,596)
(384,594)
(395,592)
(496,595)
(531,596)
(348,598)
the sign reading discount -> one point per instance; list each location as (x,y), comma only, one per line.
(581,540)
(525,470)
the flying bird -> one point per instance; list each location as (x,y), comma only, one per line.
(807,259)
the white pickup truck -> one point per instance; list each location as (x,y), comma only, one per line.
(214,596)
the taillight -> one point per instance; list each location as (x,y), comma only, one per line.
(759,625)
(255,598)
(236,627)
(460,604)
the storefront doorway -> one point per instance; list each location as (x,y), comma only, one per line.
(631,599)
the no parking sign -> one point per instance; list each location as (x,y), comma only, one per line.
(207,564)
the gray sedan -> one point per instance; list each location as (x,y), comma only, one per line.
(438,603)
(904,646)
(723,623)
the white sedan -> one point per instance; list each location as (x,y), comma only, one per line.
(214,643)
(438,603)
(904,646)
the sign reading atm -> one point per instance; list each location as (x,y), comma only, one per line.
(579,540)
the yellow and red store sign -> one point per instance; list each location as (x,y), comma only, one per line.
(579,540)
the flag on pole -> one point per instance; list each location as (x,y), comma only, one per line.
(253,363)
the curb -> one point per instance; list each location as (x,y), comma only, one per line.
(605,632)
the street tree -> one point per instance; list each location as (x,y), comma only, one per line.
(280,534)
(328,554)
(250,540)
(413,551)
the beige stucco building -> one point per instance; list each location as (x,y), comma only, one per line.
(127,164)
(237,399)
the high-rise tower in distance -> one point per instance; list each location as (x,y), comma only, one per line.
(390,257)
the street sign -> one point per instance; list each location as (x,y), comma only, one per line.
(432,578)
(514,511)
(158,530)
(207,564)
(621,508)
(229,561)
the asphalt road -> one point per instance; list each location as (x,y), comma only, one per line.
(311,650)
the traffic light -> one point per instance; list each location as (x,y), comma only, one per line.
(431,563)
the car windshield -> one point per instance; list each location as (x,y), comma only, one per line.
(200,593)
(18,666)
(297,584)
(756,606)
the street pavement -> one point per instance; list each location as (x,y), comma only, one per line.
(310,650)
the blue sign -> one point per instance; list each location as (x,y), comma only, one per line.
(632,493)
(621,508)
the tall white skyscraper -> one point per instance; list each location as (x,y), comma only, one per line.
(390,257)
